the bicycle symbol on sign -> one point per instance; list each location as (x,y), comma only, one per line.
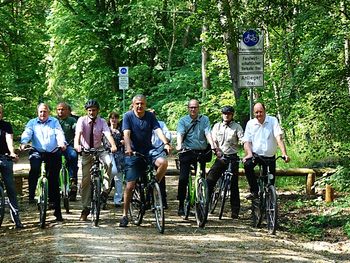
(250,38)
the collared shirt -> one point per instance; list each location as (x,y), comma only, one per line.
(45,136)
(195,138)
(227,136)
(84,127)
(157,142)
(263,136)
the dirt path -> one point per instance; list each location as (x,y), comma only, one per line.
(220,241)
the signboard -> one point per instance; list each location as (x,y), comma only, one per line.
(252,41)
(251,63)
(123,78)
(251,80)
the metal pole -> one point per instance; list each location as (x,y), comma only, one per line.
(123,100)
(251,100)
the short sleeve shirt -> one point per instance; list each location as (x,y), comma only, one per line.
(5,128)
(196,137)
(227,136)
(263,136)
(141,130)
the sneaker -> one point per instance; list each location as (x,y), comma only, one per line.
(124,221)
(252,196)
(181,211)
(58,216)
(84,214)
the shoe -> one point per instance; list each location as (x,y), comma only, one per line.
(58,216)
(181,211)
(124,221)
(17,221)
(84,214)
(234,215)
(252,196)
(73,192)
(117,205)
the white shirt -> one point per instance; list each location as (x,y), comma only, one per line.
(263,136)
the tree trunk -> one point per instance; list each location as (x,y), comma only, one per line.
(205,78)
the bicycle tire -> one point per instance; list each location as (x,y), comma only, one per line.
(201,203)
(2,204)
(42,202)
(271,209)
(158,208)
(224,193)
(257,210)
(137,207)
(187,204)
(214,199)
(96,201)
(64,176)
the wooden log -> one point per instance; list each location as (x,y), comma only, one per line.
(310,180)
(329,196)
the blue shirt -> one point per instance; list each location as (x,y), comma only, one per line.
(196,137)
(45,136)
(141,130)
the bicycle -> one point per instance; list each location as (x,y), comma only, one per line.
(96,184)
(64,184)
(222,189)
(147,195)
(3,199)
(197,192)
(267,197)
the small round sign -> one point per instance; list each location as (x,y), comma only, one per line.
(250,38)
(123,71)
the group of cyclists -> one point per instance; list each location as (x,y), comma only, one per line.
(141,132)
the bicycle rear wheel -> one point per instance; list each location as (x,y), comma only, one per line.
(2,204)
(157,207)
(42,201)
(223,195)
(137,207)
(271,209)
(96,201)
(201,202)
(64,176)
(214,198)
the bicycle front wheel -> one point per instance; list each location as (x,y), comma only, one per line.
(271,209)
(257,209)
(215,196)
(201,203)
(96,201)
(223,195)
(137,208)
(2,205)
(64,176)
(157,207)
(42,201)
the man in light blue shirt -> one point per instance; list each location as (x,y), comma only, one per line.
(47,136)
(193,132)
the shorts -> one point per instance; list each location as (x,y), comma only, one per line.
(134,167)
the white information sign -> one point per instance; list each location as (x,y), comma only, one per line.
(249,63)
(252,41)
(123,78)
(251,80)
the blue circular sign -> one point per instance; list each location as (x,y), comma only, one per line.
(123,71)
(250,38)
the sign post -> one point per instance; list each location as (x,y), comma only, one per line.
(251,62)
(123,82)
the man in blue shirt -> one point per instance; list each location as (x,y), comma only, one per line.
(138,125)
(193,132)
(47,136)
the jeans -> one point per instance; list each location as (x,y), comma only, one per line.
(6,170)
(216,171)
(72,162)
(53,164)
(117,173)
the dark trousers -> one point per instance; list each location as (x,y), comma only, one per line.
(186,161)
(249,171)
(53,165)
(6,170)
(216,171)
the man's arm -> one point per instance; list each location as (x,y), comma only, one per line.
(127,142)
(282,147)
(9,142)
(77,145)
(27,135)
(248,150)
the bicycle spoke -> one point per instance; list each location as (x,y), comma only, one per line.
(157,207)
(202,202)
(271,209)
(136,209)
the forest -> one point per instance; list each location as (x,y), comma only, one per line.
(66,50)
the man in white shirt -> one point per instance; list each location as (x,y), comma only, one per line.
(262,136)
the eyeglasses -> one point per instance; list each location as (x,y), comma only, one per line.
(192,107)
